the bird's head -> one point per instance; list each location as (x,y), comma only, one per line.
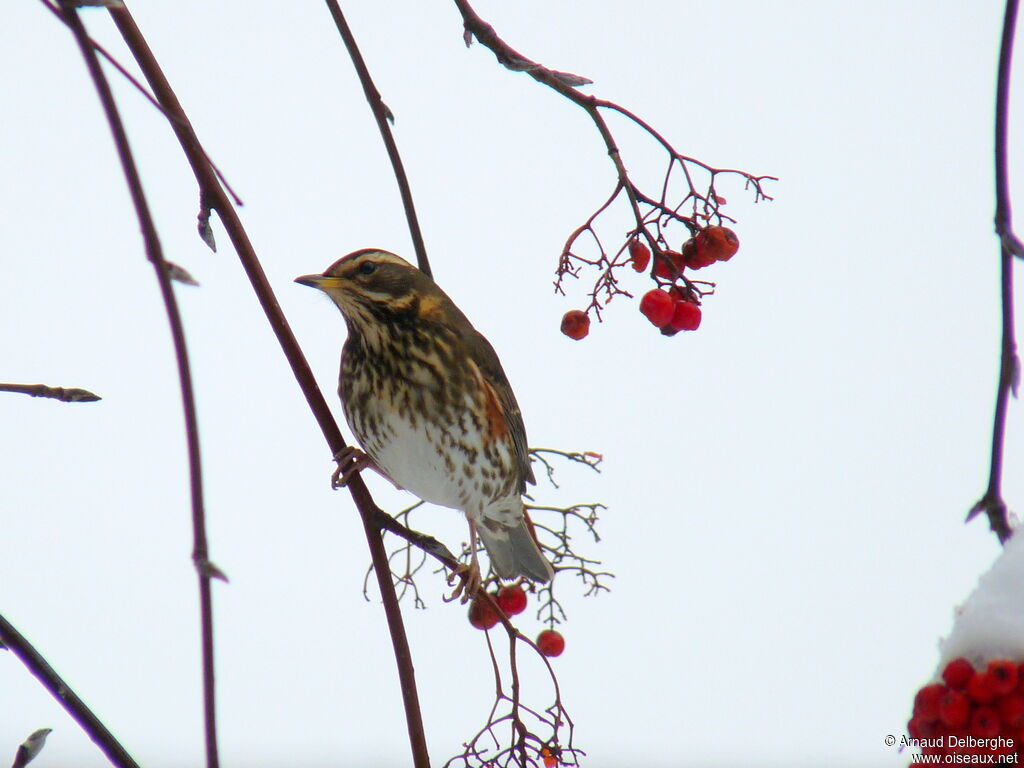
(372,286)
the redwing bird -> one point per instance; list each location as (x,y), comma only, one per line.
(428,401)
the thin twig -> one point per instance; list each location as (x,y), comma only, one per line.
(214,196)
(992,502)
(64,394)
(141,89)
(68,699)
(382,114)
(154,252)
(646,211)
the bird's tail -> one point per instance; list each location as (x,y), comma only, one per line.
(512,549)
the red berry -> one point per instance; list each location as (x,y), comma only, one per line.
(1015,736)
(693,257)
(685,316)
(922,728)
(550,642)
(954,709)
(960,732)
(958,673)
(575,324)
(512,599)
(1003,674)
(481,615)
(639,254)
(950,740)
(657,306)
(926,702)
(985,723)
(981,688)
(717,243)
(662,268)
(1011,710)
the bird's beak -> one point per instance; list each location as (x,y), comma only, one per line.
(322,282)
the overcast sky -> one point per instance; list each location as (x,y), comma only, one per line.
(786,486)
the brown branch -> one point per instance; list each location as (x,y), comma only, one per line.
(589,459)
(565,85)
(215,198)
(523,738)
(62,692)
(141,89)
(154,252)
(646,211)
(66,395)
(525,748)
(559,81)
(382,114)
(992,502)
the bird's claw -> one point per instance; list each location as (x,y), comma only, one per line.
(469,583)
(350,461)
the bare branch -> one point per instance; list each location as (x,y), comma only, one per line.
(63,693)
(141,89)
(992,503)
(66,395)
(383,116)
(154,252)
(653,216)
(213,197)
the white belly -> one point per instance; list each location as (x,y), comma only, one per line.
(413,459)
(445,465)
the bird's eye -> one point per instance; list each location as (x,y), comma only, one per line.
(367,267)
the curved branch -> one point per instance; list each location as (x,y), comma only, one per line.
(382,114)
(154,252)
(141,89)
(214,197)
(62,692)
(646,211)
(992,502)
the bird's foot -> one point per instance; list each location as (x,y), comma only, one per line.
(469,582)
(351,461)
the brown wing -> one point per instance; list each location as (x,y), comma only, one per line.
(437,307)
(482,353)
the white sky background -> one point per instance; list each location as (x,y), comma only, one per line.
(786,486)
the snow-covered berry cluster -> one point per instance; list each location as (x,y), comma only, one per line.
(972,711)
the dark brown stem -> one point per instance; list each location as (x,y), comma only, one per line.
(400,644)
(138,86)
(992,502)
(61,691)
(422,541)
(659,213)
(508,56)
(381,114)
(66,395)
(215,197)
(200,553)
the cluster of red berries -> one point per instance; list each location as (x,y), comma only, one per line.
(512,600)
(675,309)
(971,712)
